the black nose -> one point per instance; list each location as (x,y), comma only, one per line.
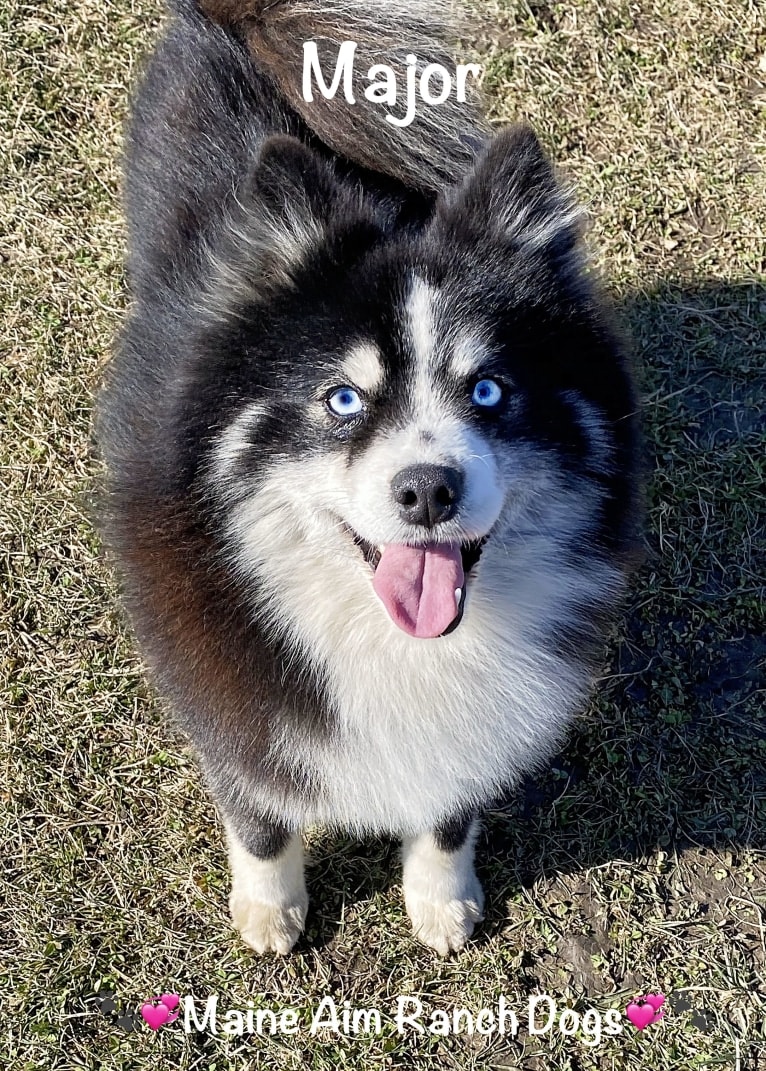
(427,494)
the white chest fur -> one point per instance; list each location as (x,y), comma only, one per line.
(424,727)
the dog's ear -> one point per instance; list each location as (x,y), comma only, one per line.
(289,206)
(512,197)
(292,207)
(294,189)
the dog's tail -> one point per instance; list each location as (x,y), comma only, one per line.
(442,139)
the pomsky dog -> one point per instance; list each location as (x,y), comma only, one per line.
(370,442)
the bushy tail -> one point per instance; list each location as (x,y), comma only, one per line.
(442,140)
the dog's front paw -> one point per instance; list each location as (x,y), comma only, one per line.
(445,925)
(268,900)
(442,894)
(268,927)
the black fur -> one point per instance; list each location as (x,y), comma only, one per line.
(451,835)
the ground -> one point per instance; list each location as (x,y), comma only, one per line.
(636,863)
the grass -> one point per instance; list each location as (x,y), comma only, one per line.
(637,863)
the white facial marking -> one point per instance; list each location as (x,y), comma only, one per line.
(422,313)
(234,439)
(362,367)
(469,357)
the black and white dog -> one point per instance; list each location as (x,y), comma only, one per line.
(370,439)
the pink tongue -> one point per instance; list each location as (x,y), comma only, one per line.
(417,586)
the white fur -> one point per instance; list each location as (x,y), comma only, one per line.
(422,725)
(469,356)
(268,900)
(424,315)
(442,894)
(235,439)
(260,252)
(371,510)
(361,367)
(536,233)
(421,323)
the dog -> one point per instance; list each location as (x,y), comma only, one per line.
(370,444)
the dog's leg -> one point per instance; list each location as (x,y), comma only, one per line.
(268,900)
(441,891)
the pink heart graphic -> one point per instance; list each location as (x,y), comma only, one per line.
(643,1015)
(155,1017)
(170,1000)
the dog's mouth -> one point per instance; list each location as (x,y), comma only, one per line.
(422,588)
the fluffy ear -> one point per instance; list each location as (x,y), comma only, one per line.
(291,181)
(513,196)
(288,206)
(292,205)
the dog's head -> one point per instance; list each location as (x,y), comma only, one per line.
(408,390)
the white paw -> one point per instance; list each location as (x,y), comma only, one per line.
(441,891)
(446,925)
(268,927)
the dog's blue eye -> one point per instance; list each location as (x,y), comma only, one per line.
(345,402)
(487,394)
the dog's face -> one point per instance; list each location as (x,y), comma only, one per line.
(412,399)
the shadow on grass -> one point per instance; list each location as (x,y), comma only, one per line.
(672,754)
